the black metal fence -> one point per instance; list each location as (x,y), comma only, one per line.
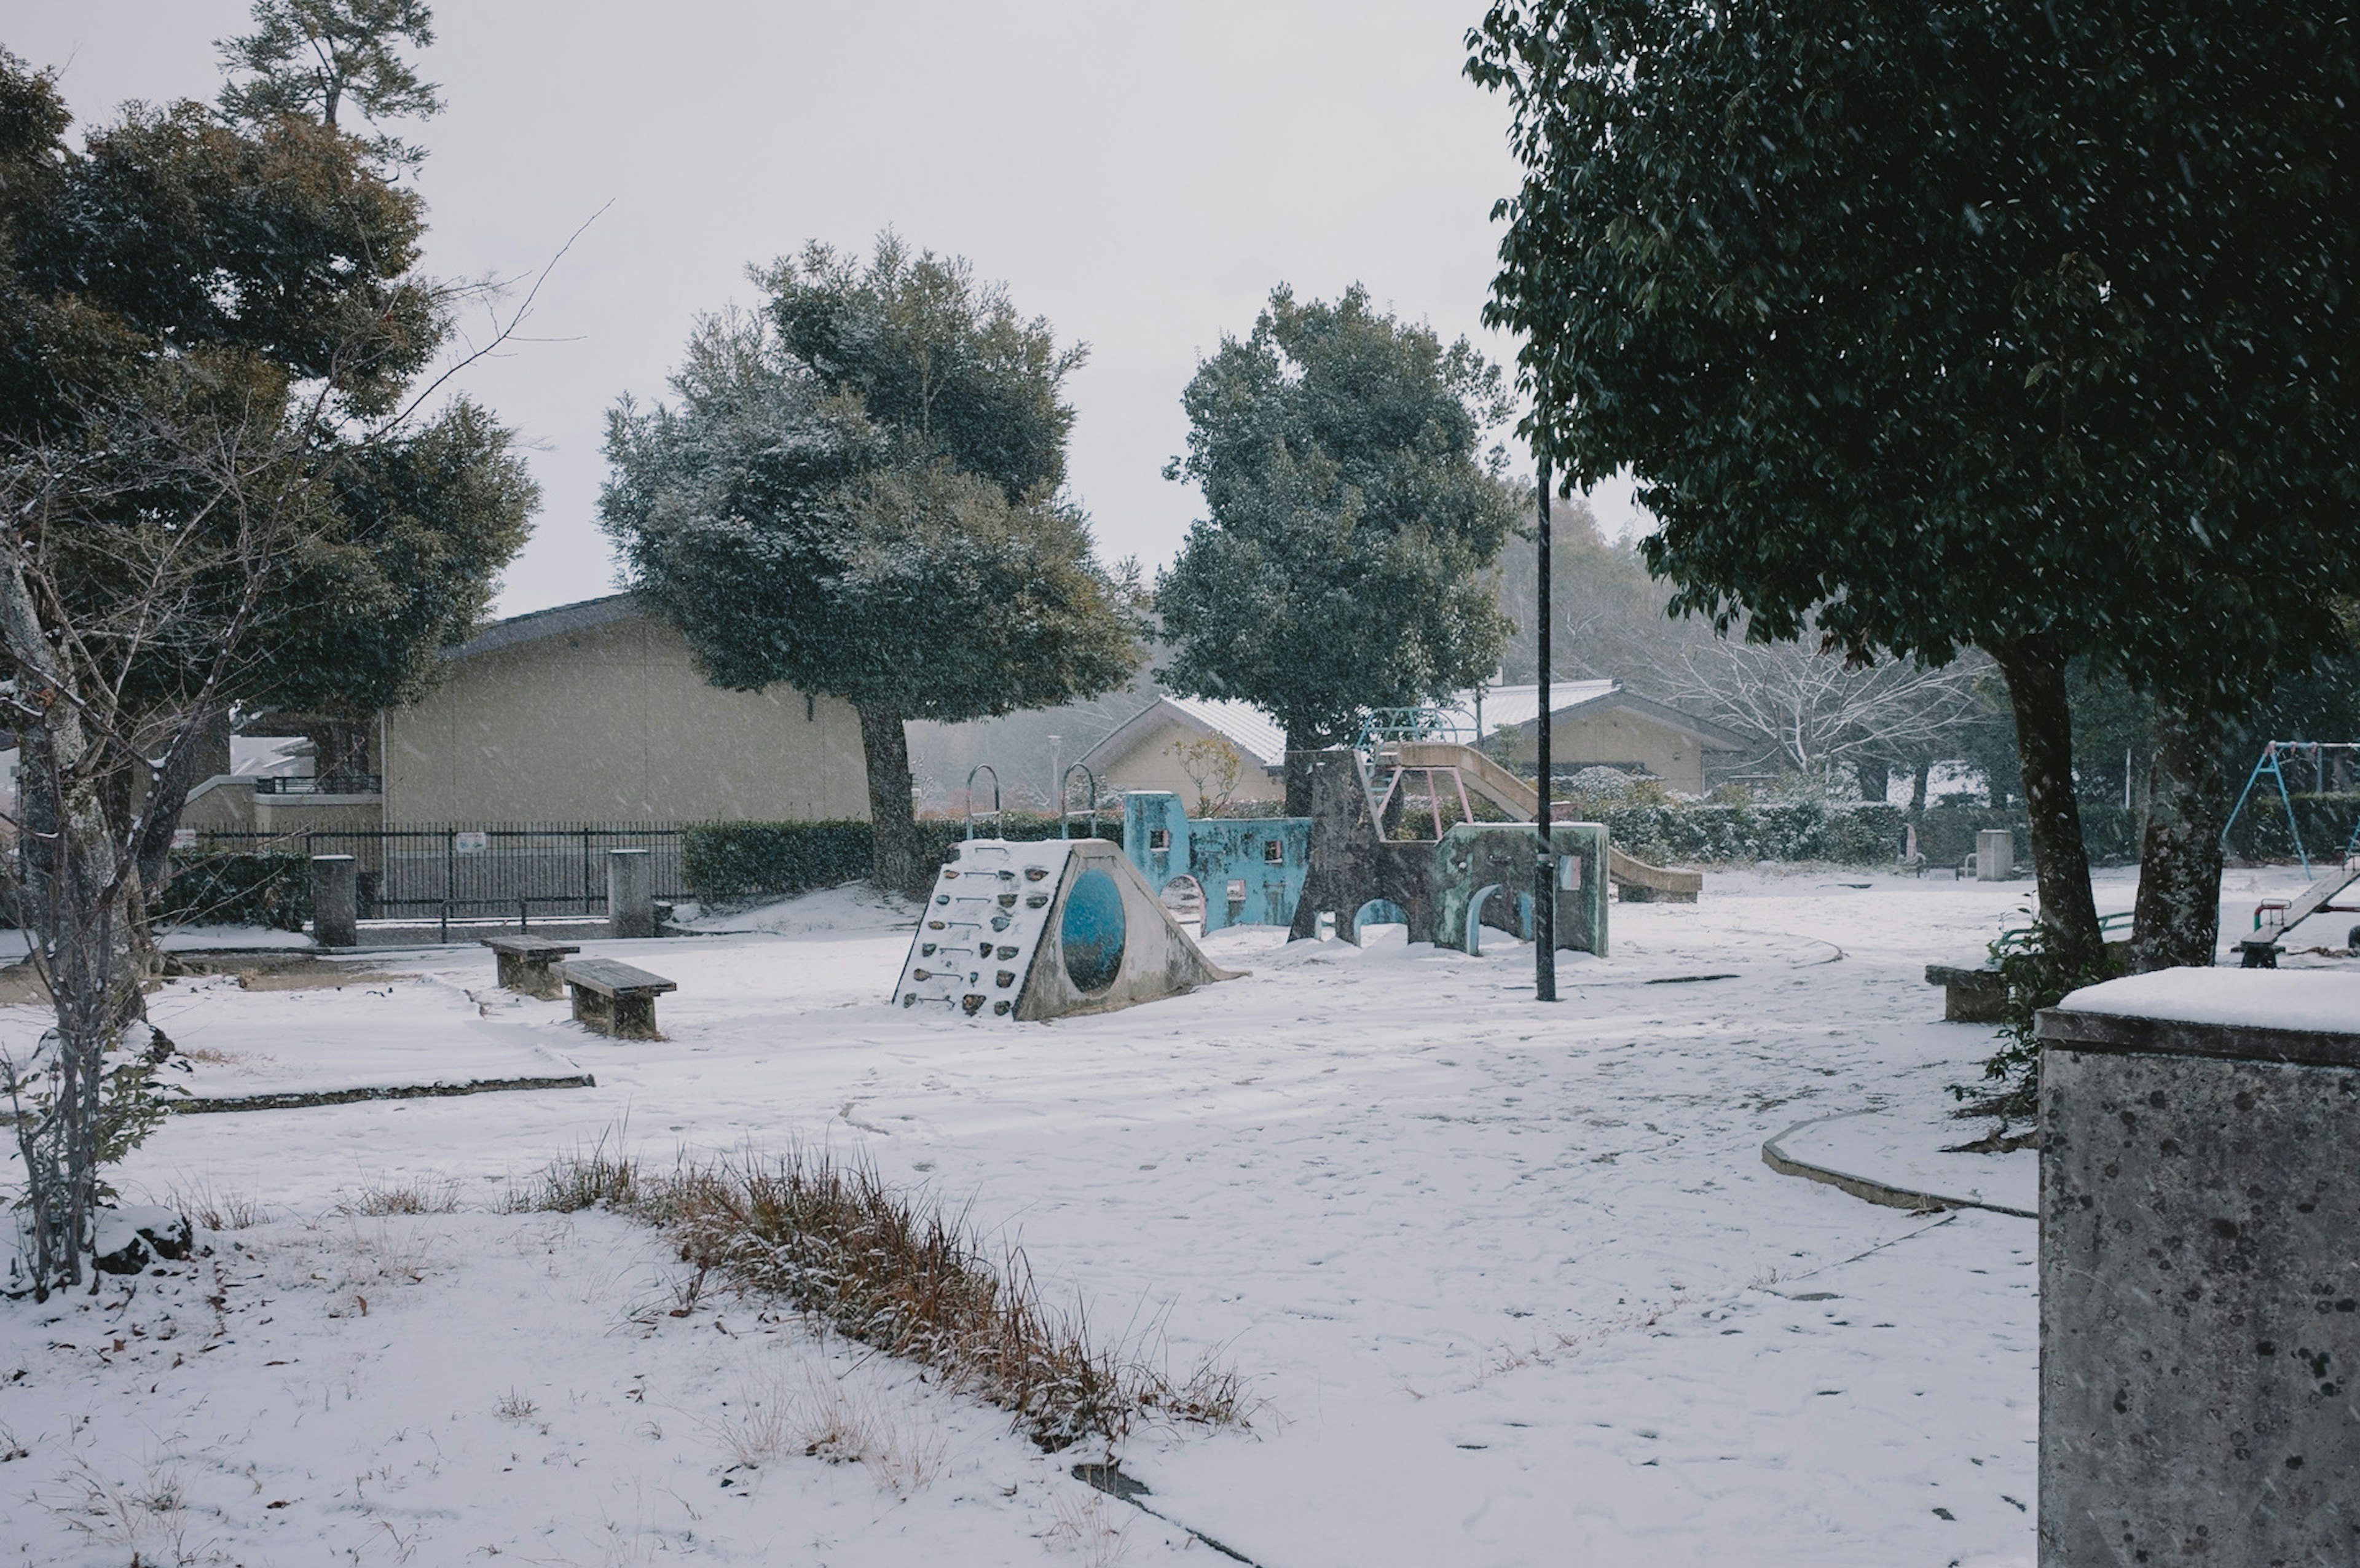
(447,871)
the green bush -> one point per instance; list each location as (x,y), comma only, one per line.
(220,887)
(2260,832)
(738,860)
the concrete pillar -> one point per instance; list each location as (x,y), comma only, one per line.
(630,893)
(1995,854)
(336,900)
(2200,1287)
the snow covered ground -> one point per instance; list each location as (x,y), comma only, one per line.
(1512,1283)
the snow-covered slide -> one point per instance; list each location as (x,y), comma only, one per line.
(1496,784)
(1044,930)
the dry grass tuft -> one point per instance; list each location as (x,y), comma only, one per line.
(438,1195)
(218,1211)
(897,1272)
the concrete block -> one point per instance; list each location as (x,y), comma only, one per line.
(630,893)
(1995,854)
(2199,1293)
(336,900)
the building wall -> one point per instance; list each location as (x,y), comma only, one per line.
(612,722)
(1151,763)
(1616,738)
(228,803)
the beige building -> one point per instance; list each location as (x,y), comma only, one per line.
(1151,750)
(588,713)
(1595,723)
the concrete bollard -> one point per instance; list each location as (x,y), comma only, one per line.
(1995,854)
(2200,1339)
(336,900)
(630,893)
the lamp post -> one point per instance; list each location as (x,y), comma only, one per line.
(1058,774)
(1545,860)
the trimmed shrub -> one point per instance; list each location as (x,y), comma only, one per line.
(224,889)
(739,860)
(732,860)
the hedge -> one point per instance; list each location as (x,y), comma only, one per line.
(224,889)
(1864,834)
(739,860)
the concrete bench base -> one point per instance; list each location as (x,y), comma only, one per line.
(1969,995)
(614,998)
(528,964)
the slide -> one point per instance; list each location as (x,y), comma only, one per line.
(1640,883)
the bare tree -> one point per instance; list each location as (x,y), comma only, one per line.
(1810,712)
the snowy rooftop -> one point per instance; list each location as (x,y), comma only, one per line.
(1249,729)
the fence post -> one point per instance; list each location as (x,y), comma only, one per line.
(630,893)
(334,901)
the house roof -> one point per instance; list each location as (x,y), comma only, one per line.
(1518,706)
(1247,727)
(558,621)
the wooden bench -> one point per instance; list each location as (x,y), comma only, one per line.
(1976,995)
(611,997)
(526,963)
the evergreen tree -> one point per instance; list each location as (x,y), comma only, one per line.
(858,492)
(1351,515)
(1968,324)
(307,59)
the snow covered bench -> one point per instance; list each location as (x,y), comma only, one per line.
(527,963)
(611,997)
(1970,993)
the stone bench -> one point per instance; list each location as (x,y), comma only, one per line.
(527,964)
(611,997)
(1970,995)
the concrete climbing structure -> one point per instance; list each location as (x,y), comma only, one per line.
(1046,929)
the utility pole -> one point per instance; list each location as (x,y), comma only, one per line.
(1544,862)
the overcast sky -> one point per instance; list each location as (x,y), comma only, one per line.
(1140,174)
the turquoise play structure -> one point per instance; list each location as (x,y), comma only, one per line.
(1251,869)
(1483,876)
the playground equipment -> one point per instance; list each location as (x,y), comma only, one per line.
(1468,772)
(1442,890)
(1045,930)
(2274,918)
(1477,863)
(1250,870)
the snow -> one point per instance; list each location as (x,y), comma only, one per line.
(2318,1000)
(1511,1284)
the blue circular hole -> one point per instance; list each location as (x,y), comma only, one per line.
(1092,931)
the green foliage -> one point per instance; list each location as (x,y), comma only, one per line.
(732,860)
(2038,976)
(1351,515)
(738,860)
(1900,331)
(165,290)
(223,887)
(307,57)
(902,556)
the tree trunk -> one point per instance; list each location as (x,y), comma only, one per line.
(898,860)
(1875,779)
(2044,743)
(1918,790)
(1298,776)
(2179,918)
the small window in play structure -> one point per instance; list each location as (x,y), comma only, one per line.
(1274,852)
(1236,890)
(1159,838)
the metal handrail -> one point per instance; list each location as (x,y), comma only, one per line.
(998,823)
(1066,793)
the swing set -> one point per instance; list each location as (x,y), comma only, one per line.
(2272,765)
